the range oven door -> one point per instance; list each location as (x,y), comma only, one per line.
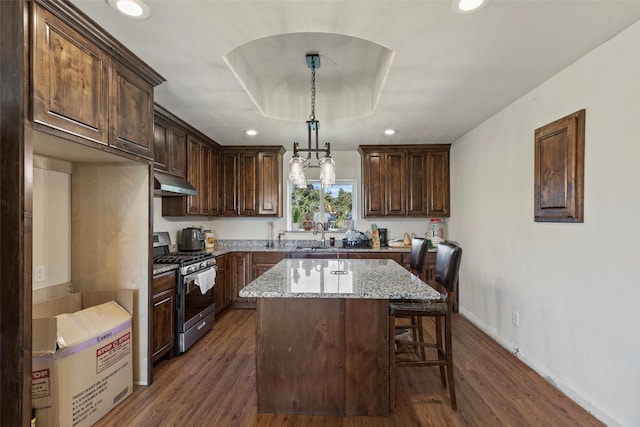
(196,311)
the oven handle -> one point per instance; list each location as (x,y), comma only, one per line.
(192,276)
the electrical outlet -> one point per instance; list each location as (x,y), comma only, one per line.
(39,273)
(515,318)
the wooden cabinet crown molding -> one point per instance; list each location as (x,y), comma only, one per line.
(72,16)
(403,147)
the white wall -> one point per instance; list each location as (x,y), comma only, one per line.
(575,286)
(51,221)
(348,166)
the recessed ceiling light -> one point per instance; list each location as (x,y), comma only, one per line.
(468,6)
(251,132)
(389,131)
(136,9)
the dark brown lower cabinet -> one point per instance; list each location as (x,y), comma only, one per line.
(263,261)
(396,256)
(240,270)
(222,290)
(163,320)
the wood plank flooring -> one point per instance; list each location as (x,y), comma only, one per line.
(213,384)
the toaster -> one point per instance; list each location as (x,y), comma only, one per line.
(192,239)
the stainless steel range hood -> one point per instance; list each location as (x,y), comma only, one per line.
(168,185)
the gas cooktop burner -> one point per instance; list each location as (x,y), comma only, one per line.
(181,258)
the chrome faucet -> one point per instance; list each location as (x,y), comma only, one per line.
(315,231)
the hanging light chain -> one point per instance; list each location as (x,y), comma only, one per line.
(313,93)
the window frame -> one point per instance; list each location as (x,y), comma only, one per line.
(354,200)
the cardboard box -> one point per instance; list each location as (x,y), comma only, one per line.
(82,357)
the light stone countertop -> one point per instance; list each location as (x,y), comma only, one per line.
(222,247)
(163,268)
(344,278)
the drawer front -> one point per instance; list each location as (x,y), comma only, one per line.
(164,281)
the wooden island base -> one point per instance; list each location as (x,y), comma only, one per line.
(323,356)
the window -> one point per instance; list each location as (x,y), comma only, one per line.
(336,203)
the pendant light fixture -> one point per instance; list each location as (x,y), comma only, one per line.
(299,163)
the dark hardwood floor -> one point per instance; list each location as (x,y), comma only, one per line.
(213,384)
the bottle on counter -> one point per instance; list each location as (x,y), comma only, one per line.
(208,234)
(436,231)
(270,241)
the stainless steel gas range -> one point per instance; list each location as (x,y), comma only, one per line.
(195,308)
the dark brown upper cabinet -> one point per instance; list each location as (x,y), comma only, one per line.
(70,79)
(86,86)
(201,172)
(405,180)
(130,112)
(437,183)
(559,170)
(169,146)
(270,183)
(251,181)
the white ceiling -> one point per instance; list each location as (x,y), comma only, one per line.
(448,72)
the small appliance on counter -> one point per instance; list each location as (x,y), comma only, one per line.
(192,239)
(384,241)
(355,240)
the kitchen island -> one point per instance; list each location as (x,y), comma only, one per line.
(323,334)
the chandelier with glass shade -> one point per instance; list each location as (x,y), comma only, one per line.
(299,163)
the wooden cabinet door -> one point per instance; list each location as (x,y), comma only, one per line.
(193,174)
(227,283)
(373,184)
(209,180)
(263,261)
(395,184)
(221,291)
(559,170)
(161,154)
(70,81)
(162,315)
(395,256)
(438,183)
(384,183)
(177,149)
(214,184)
(130,112)
(169,147)
(248,181)
(227,179)
(163,323)
(270,181)
(240,277)
(417,183)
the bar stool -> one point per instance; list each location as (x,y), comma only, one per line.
(417,265)
(446,276)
